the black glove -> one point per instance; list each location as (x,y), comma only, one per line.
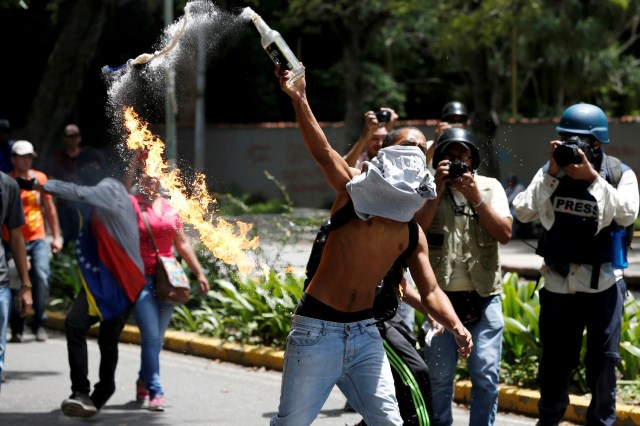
(26,184)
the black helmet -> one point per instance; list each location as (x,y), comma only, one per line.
(454,108)
(462,136)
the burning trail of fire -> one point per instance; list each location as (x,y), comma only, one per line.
(217,234)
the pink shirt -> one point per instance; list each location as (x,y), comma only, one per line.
(164,228)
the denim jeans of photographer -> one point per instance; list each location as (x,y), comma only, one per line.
(483,365)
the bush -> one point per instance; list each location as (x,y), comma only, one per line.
(521,347)
(521,344)
(245,310)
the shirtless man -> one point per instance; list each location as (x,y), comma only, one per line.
(333,339)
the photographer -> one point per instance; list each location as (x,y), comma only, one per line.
(464,225)
(376,126)
(580,196)
(454,114)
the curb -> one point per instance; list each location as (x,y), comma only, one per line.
(510,398)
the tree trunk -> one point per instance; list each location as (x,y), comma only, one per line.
(64,75)
(354,88)
(484,118)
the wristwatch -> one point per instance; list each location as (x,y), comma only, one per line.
(23,286)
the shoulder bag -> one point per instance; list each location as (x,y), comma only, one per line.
(172,284)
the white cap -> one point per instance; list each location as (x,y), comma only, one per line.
(22,148)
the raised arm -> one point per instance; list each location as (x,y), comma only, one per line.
(334,167)
(370,126)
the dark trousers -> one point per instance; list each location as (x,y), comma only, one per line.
(563,317)
(76,327)
(410,372)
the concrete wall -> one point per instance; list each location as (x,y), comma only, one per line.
(236,158)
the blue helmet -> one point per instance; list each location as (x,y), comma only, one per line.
(585,119)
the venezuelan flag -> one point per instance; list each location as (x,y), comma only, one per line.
(112,281)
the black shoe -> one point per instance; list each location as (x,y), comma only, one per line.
(78,405)
(16,338)
(348,408)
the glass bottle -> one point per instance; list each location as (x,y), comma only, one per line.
(277,49)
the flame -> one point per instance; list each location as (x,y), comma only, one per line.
(217,234)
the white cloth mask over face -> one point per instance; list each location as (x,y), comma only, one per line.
(392,185)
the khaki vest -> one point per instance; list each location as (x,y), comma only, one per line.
(478,246)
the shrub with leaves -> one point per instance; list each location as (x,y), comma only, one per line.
(521,344)
(252,310)
(65,280)
(630,341)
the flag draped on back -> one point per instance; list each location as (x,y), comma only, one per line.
(111,279)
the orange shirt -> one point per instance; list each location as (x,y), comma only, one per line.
(32,204)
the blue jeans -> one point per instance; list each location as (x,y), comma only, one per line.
(321,354)
(38,251)
(483,365)
(153,319)
(5,309)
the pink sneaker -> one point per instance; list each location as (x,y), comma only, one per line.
(157,403)
(142,393)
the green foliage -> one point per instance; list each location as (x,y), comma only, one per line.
(254,310)
(521,346)
(630,340)
(65,280)
(231,205)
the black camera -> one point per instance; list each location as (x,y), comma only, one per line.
(567,152)
(456,169)
(383,116)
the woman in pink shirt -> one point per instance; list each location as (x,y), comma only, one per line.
(151,315)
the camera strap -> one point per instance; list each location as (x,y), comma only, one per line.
(462,208)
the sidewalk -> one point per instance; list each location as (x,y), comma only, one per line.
(517,256)
(512,399)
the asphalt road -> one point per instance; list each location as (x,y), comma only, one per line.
(198,391)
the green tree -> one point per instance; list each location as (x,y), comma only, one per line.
(356,24)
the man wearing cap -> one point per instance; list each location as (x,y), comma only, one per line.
(5,145)
(464,225)
(454,114)
(61,165)
(34,232)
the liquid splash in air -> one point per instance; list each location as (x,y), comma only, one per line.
(227,241)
